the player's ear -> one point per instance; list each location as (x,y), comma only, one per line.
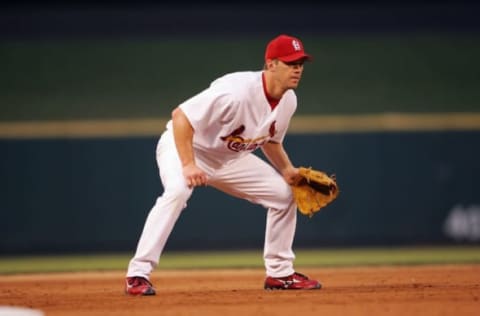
(269,63)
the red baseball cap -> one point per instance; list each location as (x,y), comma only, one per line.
(286,48)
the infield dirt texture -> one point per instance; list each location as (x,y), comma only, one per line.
(387,290)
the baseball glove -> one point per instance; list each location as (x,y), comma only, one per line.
(314,190)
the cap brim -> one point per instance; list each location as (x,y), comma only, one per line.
(295,57)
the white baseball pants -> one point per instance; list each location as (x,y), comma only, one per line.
(248,178)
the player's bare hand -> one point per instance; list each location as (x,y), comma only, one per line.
(194,176)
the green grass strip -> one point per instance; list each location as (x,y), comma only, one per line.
(245,259)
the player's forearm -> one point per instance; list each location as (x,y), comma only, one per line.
(277,156)
(183,136)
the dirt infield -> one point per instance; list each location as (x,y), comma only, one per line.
(417,290)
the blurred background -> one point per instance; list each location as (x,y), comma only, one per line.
(391,105)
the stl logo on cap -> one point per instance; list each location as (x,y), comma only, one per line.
(286,48)
(296,45)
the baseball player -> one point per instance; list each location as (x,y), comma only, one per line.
(210,140)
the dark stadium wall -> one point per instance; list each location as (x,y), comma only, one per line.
(102,62)
(94,194)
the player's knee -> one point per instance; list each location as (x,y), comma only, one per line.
(177,192)
(284,194)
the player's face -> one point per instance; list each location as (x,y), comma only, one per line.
(290,73)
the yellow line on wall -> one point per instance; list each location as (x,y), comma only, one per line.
(82,128)
(394,122)
(385,122)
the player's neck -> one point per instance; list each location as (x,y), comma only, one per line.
(271,100)
(273,89)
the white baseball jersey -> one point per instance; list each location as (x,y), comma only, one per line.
(232,117)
